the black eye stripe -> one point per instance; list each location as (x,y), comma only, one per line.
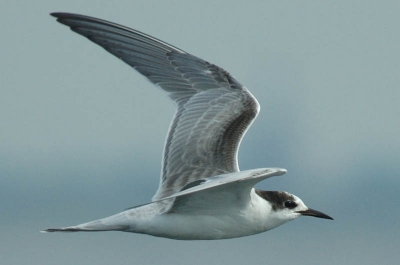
(290,204)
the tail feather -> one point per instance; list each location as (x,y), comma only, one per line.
(126,221)
(113,223)
(72,229)
(64,229)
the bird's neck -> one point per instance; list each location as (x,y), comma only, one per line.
(265,214)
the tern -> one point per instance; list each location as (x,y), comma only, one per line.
(202,194)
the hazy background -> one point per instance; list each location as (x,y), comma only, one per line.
(82,133)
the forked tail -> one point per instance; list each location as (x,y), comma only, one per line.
(73,229)
(63,229)
(116,222)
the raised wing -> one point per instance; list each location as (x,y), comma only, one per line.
(213,109)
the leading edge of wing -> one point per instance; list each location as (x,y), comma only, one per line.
(247,178)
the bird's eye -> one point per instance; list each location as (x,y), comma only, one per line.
(290,204)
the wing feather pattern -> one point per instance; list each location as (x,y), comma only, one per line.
(227,190)
(213,109)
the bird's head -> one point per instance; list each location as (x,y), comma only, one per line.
(286,206)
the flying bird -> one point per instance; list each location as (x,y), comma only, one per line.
(202,194)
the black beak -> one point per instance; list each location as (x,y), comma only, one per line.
(311,212)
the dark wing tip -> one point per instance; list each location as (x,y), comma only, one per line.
(55,14)
(62,14)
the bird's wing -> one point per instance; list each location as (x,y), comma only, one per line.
(220,192)
(213,109)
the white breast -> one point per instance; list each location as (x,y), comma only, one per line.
(249,220)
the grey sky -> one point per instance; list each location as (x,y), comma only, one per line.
(82,133)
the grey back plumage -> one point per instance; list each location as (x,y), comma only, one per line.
(213,109)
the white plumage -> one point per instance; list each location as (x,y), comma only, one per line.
(202,194)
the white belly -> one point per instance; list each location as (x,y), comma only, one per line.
(222,225)
(190,227)
(154,219)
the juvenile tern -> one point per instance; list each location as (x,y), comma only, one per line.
(202,195)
